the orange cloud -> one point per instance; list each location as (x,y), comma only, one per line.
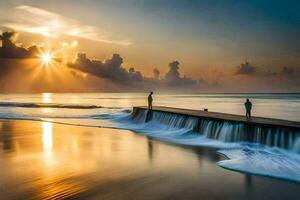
(39,21)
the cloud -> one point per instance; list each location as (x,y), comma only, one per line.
(113,70)
(156,73)
(266,79)
(36,20)
(10,50)
(173,73)
(73,44)
(110,69)
(172,77)
(245,68)
(287,71)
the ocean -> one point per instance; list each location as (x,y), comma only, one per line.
(113,110)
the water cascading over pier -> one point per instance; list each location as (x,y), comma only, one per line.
(225,127)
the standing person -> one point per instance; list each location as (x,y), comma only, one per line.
(150,99)
(248,107)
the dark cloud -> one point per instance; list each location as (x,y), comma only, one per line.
(112,69)
(287,71)
(156,73)
(173,74)
(245,68)
(172,77)
(109,69)
(10,51)
(11,54)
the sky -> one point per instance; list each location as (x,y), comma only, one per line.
(226,46)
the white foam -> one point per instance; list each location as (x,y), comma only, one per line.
(244,157)
(263,161)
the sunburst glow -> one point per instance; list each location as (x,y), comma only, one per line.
(47,58)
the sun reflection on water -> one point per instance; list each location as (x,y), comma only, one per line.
(47,136)
(47,97)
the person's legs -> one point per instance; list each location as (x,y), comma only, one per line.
(149,105)
(248,114)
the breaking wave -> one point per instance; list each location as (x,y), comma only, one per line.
(47,105)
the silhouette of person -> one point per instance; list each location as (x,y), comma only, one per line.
(150,99)
(248,107)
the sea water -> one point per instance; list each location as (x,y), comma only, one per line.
(114,110)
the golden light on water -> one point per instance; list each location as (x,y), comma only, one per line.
(47,98)
(47,127)
(47,136)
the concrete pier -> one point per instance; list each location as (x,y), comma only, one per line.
(256,121)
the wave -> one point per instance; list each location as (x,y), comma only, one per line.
(273,163)
(47,105)
(63,115)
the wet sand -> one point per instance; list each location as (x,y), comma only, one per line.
(42,160)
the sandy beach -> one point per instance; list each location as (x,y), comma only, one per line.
(43,160)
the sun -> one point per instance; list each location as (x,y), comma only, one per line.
(47,58)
